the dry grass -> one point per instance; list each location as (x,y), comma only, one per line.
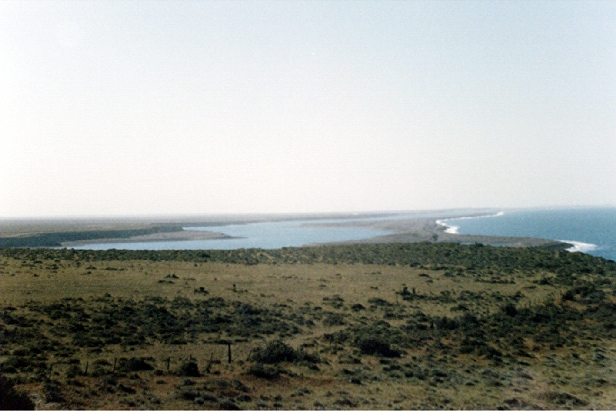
(300,283)
(578,375)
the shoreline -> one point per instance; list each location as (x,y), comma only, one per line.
(578,246)
(183,235)
(436,231)
(573,246)
(452,229)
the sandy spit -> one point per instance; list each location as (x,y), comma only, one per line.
(184,235)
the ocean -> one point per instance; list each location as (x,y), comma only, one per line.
(591,230)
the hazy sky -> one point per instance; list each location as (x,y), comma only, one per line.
(138,107)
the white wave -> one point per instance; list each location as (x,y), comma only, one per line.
(449,229)
(578,246)
(452,229)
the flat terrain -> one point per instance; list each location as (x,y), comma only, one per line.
(367,326)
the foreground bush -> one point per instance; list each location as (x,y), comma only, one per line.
(11,399)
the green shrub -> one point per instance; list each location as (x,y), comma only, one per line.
(277,351)
(333,319)
(274,352)
(134,364)
(510,310)
(189,369)
(376,346)
(569,295)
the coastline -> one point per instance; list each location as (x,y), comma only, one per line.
(437,231)
(183,235)
(452,229)
(578,246)
(573,246)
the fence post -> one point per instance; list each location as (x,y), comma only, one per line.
(208,369)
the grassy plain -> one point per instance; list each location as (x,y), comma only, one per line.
(379,326)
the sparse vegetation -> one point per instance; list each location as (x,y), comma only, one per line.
(363,326)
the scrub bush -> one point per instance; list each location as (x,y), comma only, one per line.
(375,346)
(277,351)
(189,369)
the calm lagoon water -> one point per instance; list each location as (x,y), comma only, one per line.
(593,230)
(265,235)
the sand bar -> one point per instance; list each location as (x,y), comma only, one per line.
(184,235)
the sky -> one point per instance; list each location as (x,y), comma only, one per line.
(196,107)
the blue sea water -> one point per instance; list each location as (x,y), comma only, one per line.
(592,230)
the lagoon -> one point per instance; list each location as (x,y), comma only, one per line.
(266,235)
